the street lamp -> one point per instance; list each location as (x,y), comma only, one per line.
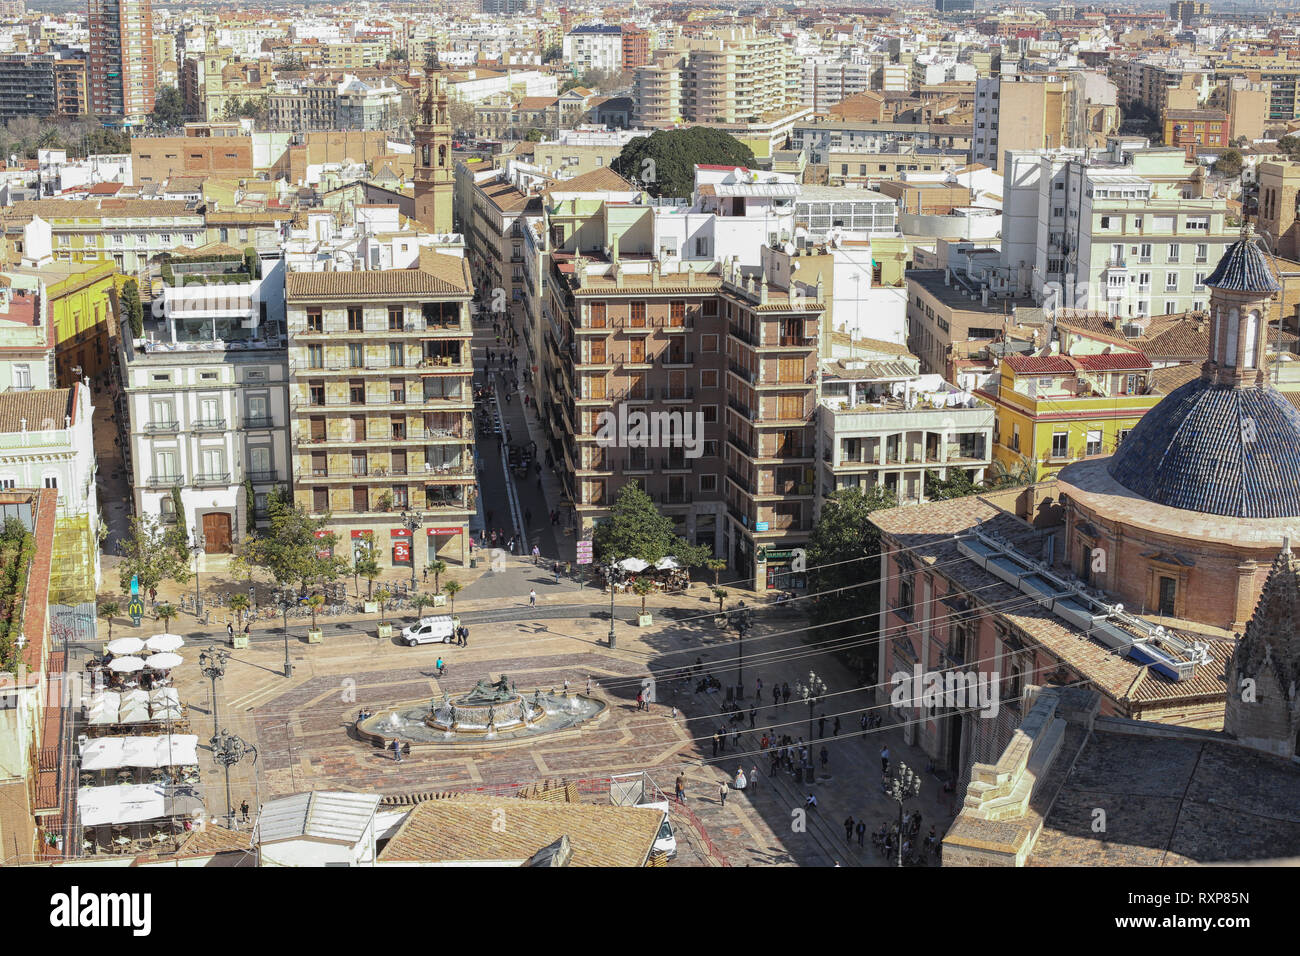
(742,619)
(196,549)
(228,750)
(412,522)
(288,668)
(212,664)
(611,570)
(809,693)
(903,785)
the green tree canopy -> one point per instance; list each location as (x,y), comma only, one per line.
(956,485)
(289,548)
(635,529)
(168,107)
(843,551)
(664,162)
(1229,163)
(154,553)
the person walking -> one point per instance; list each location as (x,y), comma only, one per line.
(753,716)
(785,693)
(556,569)
(230,632)
(397,751)
(849,823)
(440,665)
(722,794)
(835,729)
(776,696)
(681,789)
(884,759)
(588,686)
(243,809)
(715,744)
(753,777)
(758,688)
(246,627)
(638,700)
(826,758)
(532,598)
(821,726)
(862,831)
(426,574)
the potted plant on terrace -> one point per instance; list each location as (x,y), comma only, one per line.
(315,603)
(643,587)
(382,597)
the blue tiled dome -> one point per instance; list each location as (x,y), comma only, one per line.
(1218,450)
(1243,268)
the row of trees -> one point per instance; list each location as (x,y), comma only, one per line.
(81,136)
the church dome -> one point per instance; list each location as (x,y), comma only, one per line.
(1243,268)
(1216,449)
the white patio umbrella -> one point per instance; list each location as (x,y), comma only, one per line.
(125,645)
(635,565)
(126,665)
(666,564)
(162,643)
(162,662)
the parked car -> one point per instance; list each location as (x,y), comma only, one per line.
(435,629)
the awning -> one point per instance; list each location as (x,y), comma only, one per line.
(125,645)
(635,565)
(111,753)
(164,643)
(666,564)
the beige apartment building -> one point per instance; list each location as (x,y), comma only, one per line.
(737,76)
(381,405)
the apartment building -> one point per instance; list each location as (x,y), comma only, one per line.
(822,210)
(737,76)
(127,232)
(849,136)
(881,423)
(1025,111)
(122,71)
(204,407)
(498,214)
(1127,232)
(870,169)
(381,405)
(594,47)
(27,85)
(303,105)
(71,90)
(826,82)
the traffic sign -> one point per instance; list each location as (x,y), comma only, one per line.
(584,552)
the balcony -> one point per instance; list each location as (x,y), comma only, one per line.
(737,332)
(676,498)
(736,405)
(678,394)
(206,480)
(209,425)
(668,464)
(631,465)
(682,359)
(165,481)
(742,446)
(262,477)
(160,428)
(258,421)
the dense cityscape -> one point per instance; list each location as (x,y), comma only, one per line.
(673,434)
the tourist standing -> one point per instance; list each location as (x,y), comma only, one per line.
(884,759)
(681,789)
(532,598)
(849,823)
(722,794)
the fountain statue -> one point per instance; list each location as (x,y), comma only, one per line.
(492,716)
(487,692)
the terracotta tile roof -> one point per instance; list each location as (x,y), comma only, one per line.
(1039,365)
(1172,376)
(505,197)
(36,408)
(437,275)
(463,829)
(603,179)
(1103,334)
(536,102)
(99,209)
(1113,361)
(1188,338)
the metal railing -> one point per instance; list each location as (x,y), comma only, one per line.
(212,479)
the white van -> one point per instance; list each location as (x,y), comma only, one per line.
(436,629)
(665,842)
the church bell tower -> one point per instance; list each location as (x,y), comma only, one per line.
(434,178)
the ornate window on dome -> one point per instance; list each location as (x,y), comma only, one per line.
(1230,346)
(1252,338)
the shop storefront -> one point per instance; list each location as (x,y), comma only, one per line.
(402,551)
(780,574)
(439,538)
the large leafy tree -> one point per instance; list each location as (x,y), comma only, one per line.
(843,558)
(636,530)
(664,162)
(153,553)
(289,549)
(168,107)
(956,485)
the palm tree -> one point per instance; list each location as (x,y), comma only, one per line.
(108,610)
(721,595)
(717,566)
(643,586)
(382,596)
(239,603)
(368,568)
(421,601)
(439,568)
(452,588)
(165,613)
(315,603)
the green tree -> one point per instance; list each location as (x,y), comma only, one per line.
(366,566)
(315,603)
(250,507)
(956,485)
(721,595)
(153,554)
(1229,163)
(717,566)
(165,613)
(643,587)
(843,556)
(104,141)
(383,595)
(421,601)
(134,307)
(1001,475)
(452,588)
(168,107)
(460,114)
(534,135)
(1289,144)
(289,548)
(636,529)
(553,53)
(439,568)
(109,610)
(239,603)
(664,162)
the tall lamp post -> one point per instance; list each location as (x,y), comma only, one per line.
(412,522)
(742,619)
(196,549)
(903,785)
(288,667)
(611,570)
(228,750)
(809,693)
(212,664)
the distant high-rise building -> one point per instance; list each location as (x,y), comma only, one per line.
(505,8)
(955,6)
(122,72)
(1185,10)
